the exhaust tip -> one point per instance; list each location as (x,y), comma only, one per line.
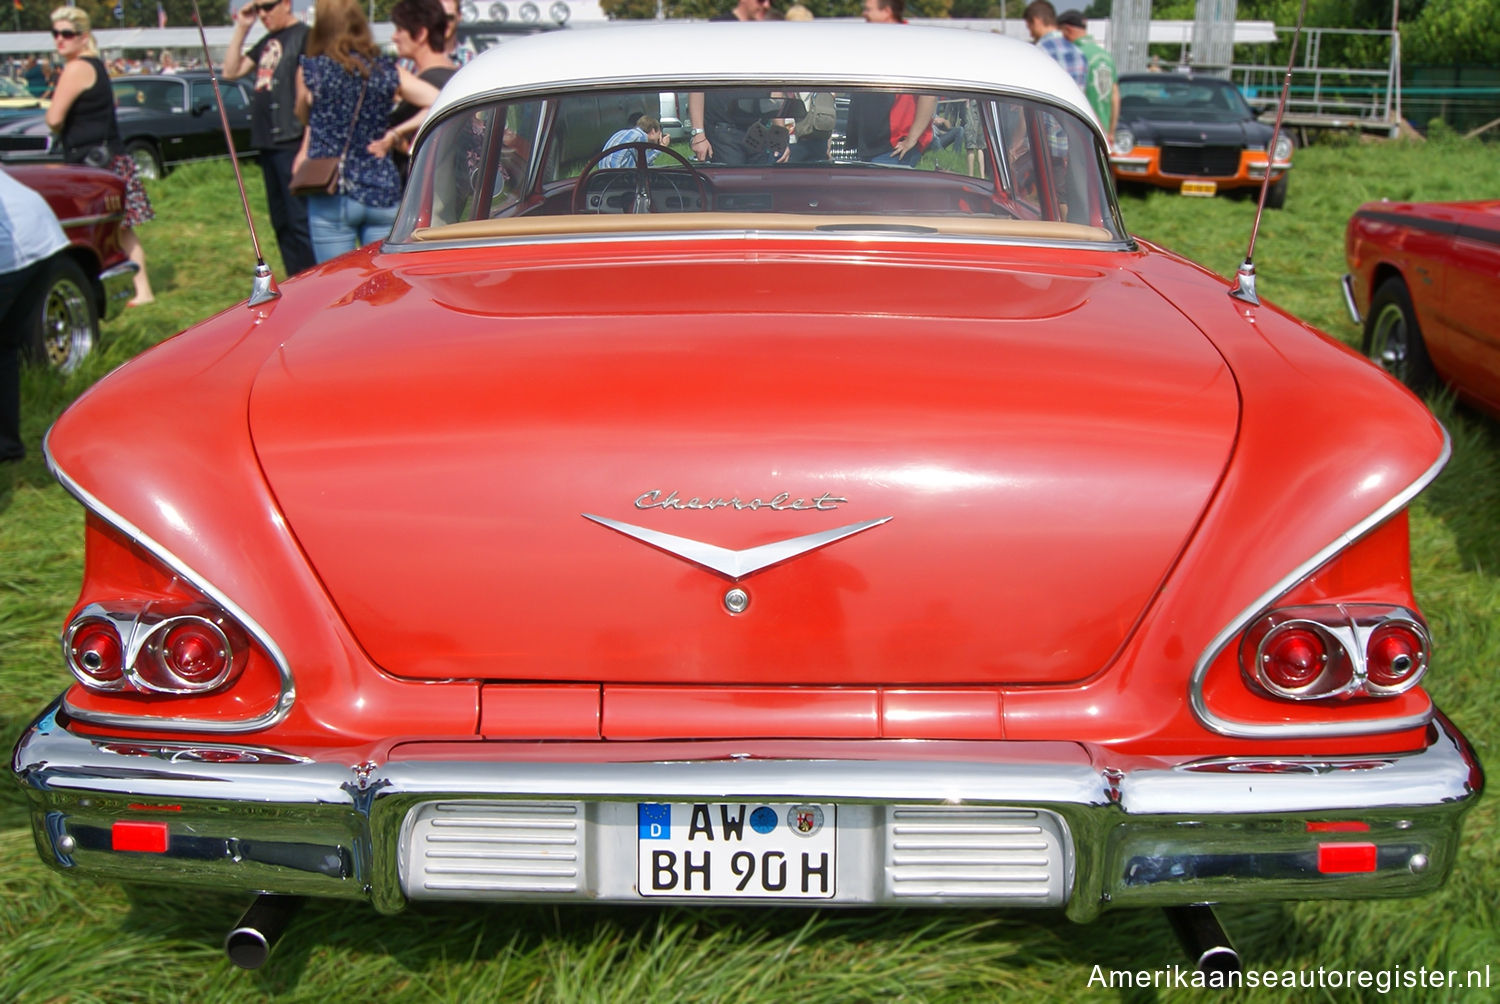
(1220,959)
(1203,938)
(247,947)
(249,943)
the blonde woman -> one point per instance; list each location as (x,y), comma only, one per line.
(345,89)
(82,113)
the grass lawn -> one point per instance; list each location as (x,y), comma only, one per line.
(66,940)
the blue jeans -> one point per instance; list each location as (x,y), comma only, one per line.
(288,211)
(339,224)
(910,160)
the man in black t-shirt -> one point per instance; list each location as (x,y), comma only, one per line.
(274,127)
(718,123)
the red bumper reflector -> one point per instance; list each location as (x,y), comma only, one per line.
(1345,858)
(148,837)
(1339,826)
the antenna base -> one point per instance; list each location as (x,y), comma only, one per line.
(263,287)
(1244,283)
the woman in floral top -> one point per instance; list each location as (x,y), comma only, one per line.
(343,71)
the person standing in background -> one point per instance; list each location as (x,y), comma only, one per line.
(890,128)
(1041,22)
(29,237)
(421,32)
(345,88)
(1103,95)
(745,10)
(458,53)
(275,130)
(82,113)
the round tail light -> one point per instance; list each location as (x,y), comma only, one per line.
(1395,657)
(184,655)
(195,652)
(95,653)
(1293,658)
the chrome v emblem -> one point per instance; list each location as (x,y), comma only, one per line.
(735,565)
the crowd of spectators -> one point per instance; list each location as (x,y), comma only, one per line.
(38,74)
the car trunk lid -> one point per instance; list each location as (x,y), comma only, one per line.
(914,469)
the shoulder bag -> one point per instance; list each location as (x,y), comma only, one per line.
(323,175)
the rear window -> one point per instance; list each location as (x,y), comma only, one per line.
(793,158)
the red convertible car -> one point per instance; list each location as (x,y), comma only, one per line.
(1422,276)
(717,529)
(92,279)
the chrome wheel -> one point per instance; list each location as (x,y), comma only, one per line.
(64,325)
(1393,339)
(147,163)
(1390,342)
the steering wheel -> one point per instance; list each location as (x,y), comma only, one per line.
(642,179)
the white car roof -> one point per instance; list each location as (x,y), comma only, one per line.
(930,60)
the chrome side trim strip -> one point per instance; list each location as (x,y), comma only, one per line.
(1347,285)
(283,670)
(1253,730)
(88,221)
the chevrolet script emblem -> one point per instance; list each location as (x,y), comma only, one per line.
(735,565)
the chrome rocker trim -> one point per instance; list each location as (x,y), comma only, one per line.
(1213,830)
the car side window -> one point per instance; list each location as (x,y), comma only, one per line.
(203,94)
(152,95)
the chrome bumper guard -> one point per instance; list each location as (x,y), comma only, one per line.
(118,284)
(1003,829)
(1346,284)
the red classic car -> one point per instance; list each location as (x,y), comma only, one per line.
(1423,277)
(93,278)
(719,529)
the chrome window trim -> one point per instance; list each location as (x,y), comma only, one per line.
(751,233)
(1253,730)
(888,82)
(288,690)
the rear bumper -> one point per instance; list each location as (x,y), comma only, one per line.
(1010,824)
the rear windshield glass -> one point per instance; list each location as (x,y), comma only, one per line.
(782,159)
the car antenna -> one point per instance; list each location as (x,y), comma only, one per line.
(263,286)
(1244,284)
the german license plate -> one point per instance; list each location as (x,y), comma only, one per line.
(1200,187)
(736,850)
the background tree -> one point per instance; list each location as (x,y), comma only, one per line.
(1453,31)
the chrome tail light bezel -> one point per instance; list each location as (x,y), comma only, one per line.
(1346,631)
(143,632)
(77,660)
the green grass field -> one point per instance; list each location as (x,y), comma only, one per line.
(66,940)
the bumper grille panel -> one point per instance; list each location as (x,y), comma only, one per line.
(1200,161)
(964,852)
(479,849)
